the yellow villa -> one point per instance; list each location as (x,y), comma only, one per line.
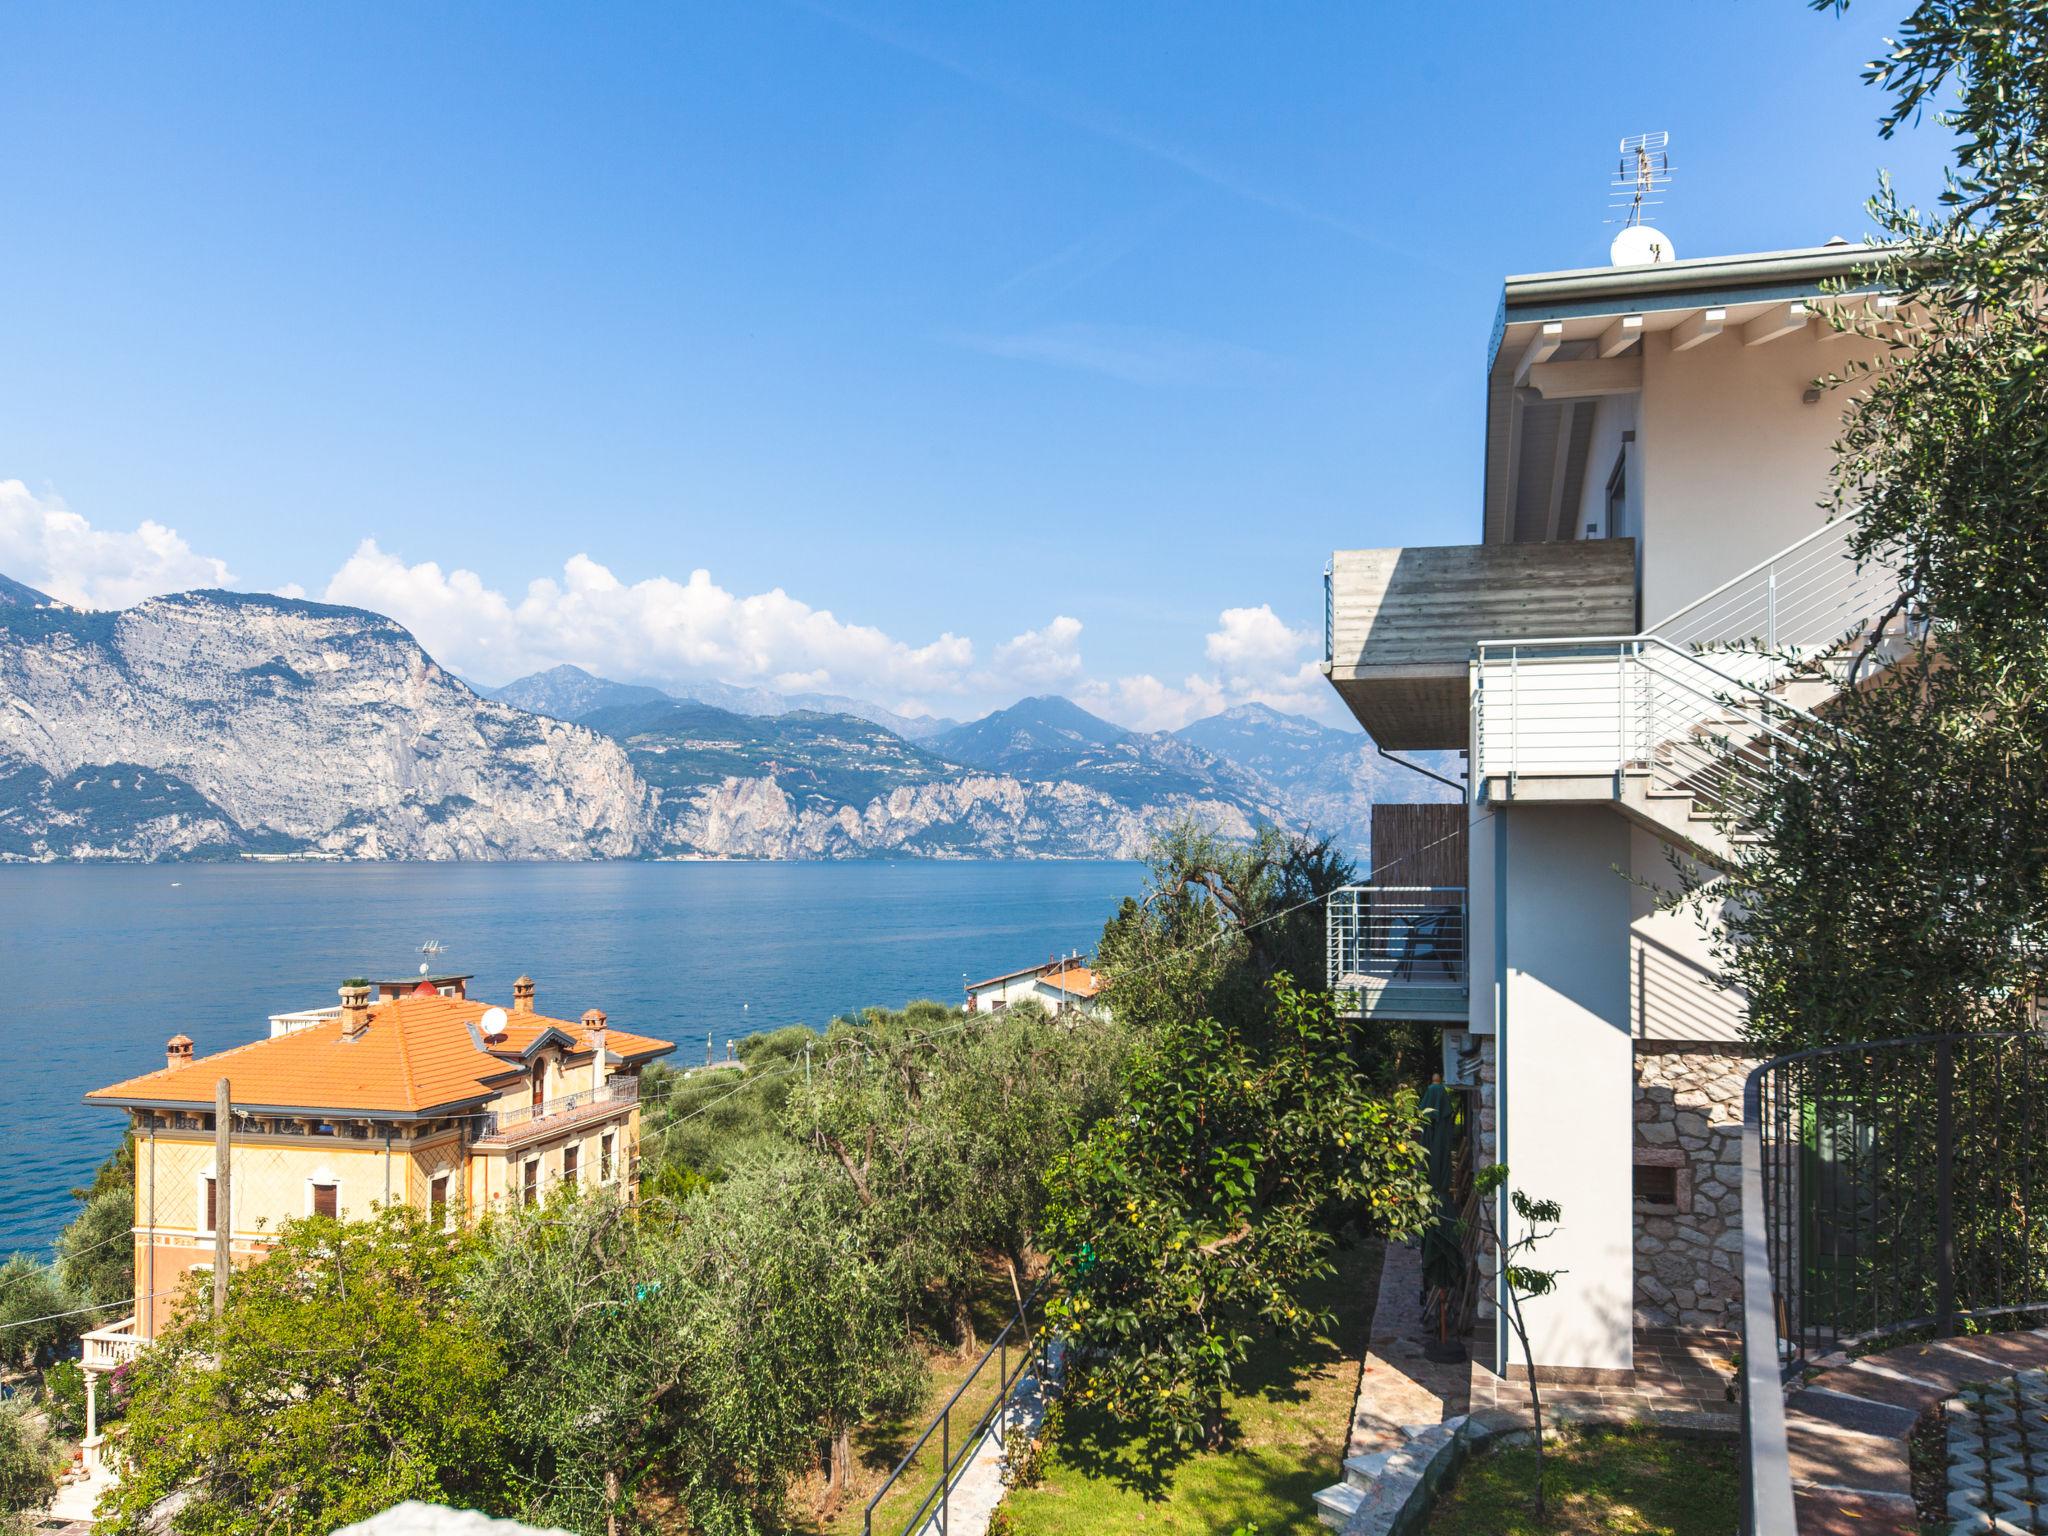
(407,1092)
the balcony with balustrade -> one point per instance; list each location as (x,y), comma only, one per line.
(522,1125)
(1399,953)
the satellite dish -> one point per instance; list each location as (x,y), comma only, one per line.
(423,969)
(1638,245)
(493,1022)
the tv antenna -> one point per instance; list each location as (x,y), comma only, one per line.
(432,947)
(1641,177)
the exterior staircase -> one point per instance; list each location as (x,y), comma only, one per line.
(1677,724)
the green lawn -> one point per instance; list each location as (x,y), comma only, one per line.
(1601,1483)
(1289,1423)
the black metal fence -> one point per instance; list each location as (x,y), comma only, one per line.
(1891,1187)
(961,1427)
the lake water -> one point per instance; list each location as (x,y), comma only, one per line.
(101,965)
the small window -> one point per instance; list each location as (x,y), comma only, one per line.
(529,1189)
(604,1158)
(1656,1185)
(212,1203)
(572,1163)
(327,1201)
(437,1199)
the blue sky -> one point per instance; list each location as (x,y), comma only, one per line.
(966,351)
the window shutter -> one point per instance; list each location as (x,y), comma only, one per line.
(326,1200)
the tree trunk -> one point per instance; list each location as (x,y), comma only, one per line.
(842,1459)
(963,1324)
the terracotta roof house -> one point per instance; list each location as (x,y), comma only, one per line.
(1065,984)
(405,1092)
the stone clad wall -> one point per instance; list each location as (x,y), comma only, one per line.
(1688,1107)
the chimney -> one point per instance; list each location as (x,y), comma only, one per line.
(522,995)
(355,1009)
(593,1026)
(177,1051)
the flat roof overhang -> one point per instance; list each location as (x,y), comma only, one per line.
(1574,336)
(1403,623)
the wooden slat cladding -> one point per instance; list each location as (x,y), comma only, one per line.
(1430,604)
(1404,622)
(1419,844)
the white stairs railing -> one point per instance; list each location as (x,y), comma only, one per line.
(1684,717)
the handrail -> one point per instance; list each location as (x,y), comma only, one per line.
(1834,526)
(995,1415)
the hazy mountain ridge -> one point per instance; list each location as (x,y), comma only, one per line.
(569,692)
(211,724)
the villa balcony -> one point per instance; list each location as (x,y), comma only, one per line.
(1400,624)
(508,1128)
(110,1348)
(1399,952)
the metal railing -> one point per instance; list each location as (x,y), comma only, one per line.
(1017,1349)
(617,1090)
(1329,613)
(1808,595)
(1613,704)
(1889,1187)
(1399,947)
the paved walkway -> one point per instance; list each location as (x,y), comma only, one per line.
(1848,1427)
(1680,1382)
(971,1502)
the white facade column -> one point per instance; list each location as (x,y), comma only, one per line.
(1566,1065)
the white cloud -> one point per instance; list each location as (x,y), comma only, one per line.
(657,628)
(52,548)
(1040,658)
(1256,658)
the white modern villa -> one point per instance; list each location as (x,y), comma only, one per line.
(1656,457)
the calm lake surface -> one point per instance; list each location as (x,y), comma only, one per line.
(101,965)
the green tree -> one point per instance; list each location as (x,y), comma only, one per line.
(28,1468)
(96,1252)
(942,1126)
(33,1312)
(801,1335)
(699,1126)
(1901,881)
(64,1398)
(1186,1223)
(1516,1281)
(1218,921)
(591,1302)
(346,1375)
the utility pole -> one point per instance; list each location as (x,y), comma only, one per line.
(223,1199)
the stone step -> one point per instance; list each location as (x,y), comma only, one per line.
(1362,1472)
(1338,1504)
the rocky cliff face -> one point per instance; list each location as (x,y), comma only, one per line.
(259,722)
(214,723)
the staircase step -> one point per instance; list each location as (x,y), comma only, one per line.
(1362,1471)
(1336,1505)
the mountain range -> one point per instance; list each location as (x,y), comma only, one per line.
(212,724)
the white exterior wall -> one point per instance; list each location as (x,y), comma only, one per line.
(1675,990)
(1733,464)
(1566,1063)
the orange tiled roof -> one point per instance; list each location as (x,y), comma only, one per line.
(1068,975)
(1075,978)
(416,1055)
